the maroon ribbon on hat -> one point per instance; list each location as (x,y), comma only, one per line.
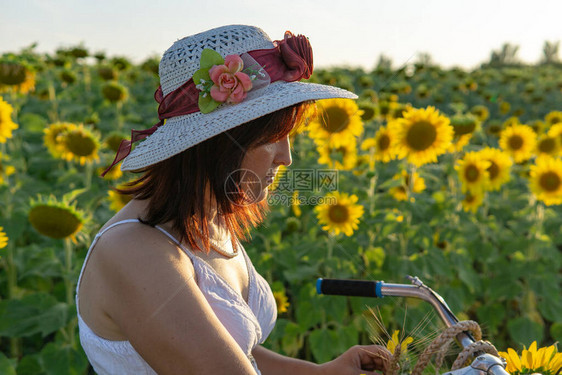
(289,60)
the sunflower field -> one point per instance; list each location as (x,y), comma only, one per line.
(451,175)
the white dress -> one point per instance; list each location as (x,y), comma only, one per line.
(249,323)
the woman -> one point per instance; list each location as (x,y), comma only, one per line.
(166,286)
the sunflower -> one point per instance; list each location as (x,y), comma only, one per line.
(547,145)
(55,219)
(113,140)
(117,200)
(400,193)
(395,341)
(422,135)
(338,122)
(17,77)
(546,360)
(500,165)
(343,157)
(5,170)
(3,238)
(519,142)
(281,301)
(339,213)
(114,173)
(538,126)
(464,126)
(471,202)
(80,144)
(546,180)
(383,145)
(553,117)
(556,131)
(473,172)
(114,92)
(513,120)
(481,112)
(505,107)
(51,138)
(6,123)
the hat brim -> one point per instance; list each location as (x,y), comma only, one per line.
(182,132)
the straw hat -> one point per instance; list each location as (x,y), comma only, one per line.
(178,65)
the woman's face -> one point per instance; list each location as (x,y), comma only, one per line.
(259,166)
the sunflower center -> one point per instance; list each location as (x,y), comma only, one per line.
(338,213)
(493,170)
(550,181)
(335,119)
(462,129)
(80,144)
(421,135)
(471,173)
(547,145)
(12,74)
(469,198)
(555,120)
(384,142)
(515,142)
(54,222)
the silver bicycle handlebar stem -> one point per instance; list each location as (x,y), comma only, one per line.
(419,290)
(484,363)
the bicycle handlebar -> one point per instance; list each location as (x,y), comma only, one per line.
(380,289)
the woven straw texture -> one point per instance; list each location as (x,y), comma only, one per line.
(179,63)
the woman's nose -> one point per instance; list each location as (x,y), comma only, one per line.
(283,156)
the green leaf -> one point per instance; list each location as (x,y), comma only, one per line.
(551,308)
(491,315)
(374,256)
(207,103)
(6,365)
(556,331)
(307,315)
(292,339)
(59,360)
(525,331)
(15,227)
(201,74)
(32,122)
(209,58)
(29,365)
(323,345)
(34,313)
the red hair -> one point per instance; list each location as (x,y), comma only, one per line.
(177,186)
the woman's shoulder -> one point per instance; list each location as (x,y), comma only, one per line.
(131,246)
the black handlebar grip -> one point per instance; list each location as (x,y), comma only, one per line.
(354,288)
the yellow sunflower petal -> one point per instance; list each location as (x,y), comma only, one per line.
(422,135)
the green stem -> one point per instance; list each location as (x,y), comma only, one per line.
(54,112)
(371,194)
(69,286)
(88,174)
(119,110)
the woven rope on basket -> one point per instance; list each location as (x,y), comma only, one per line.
(441,344)
(466,354)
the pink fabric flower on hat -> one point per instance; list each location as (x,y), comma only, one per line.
(230,83)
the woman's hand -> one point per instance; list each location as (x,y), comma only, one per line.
(359,359)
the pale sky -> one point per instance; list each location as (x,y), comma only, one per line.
(344,32)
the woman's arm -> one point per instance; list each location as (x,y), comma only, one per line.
(271,363)
(151,294)
(366,359)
